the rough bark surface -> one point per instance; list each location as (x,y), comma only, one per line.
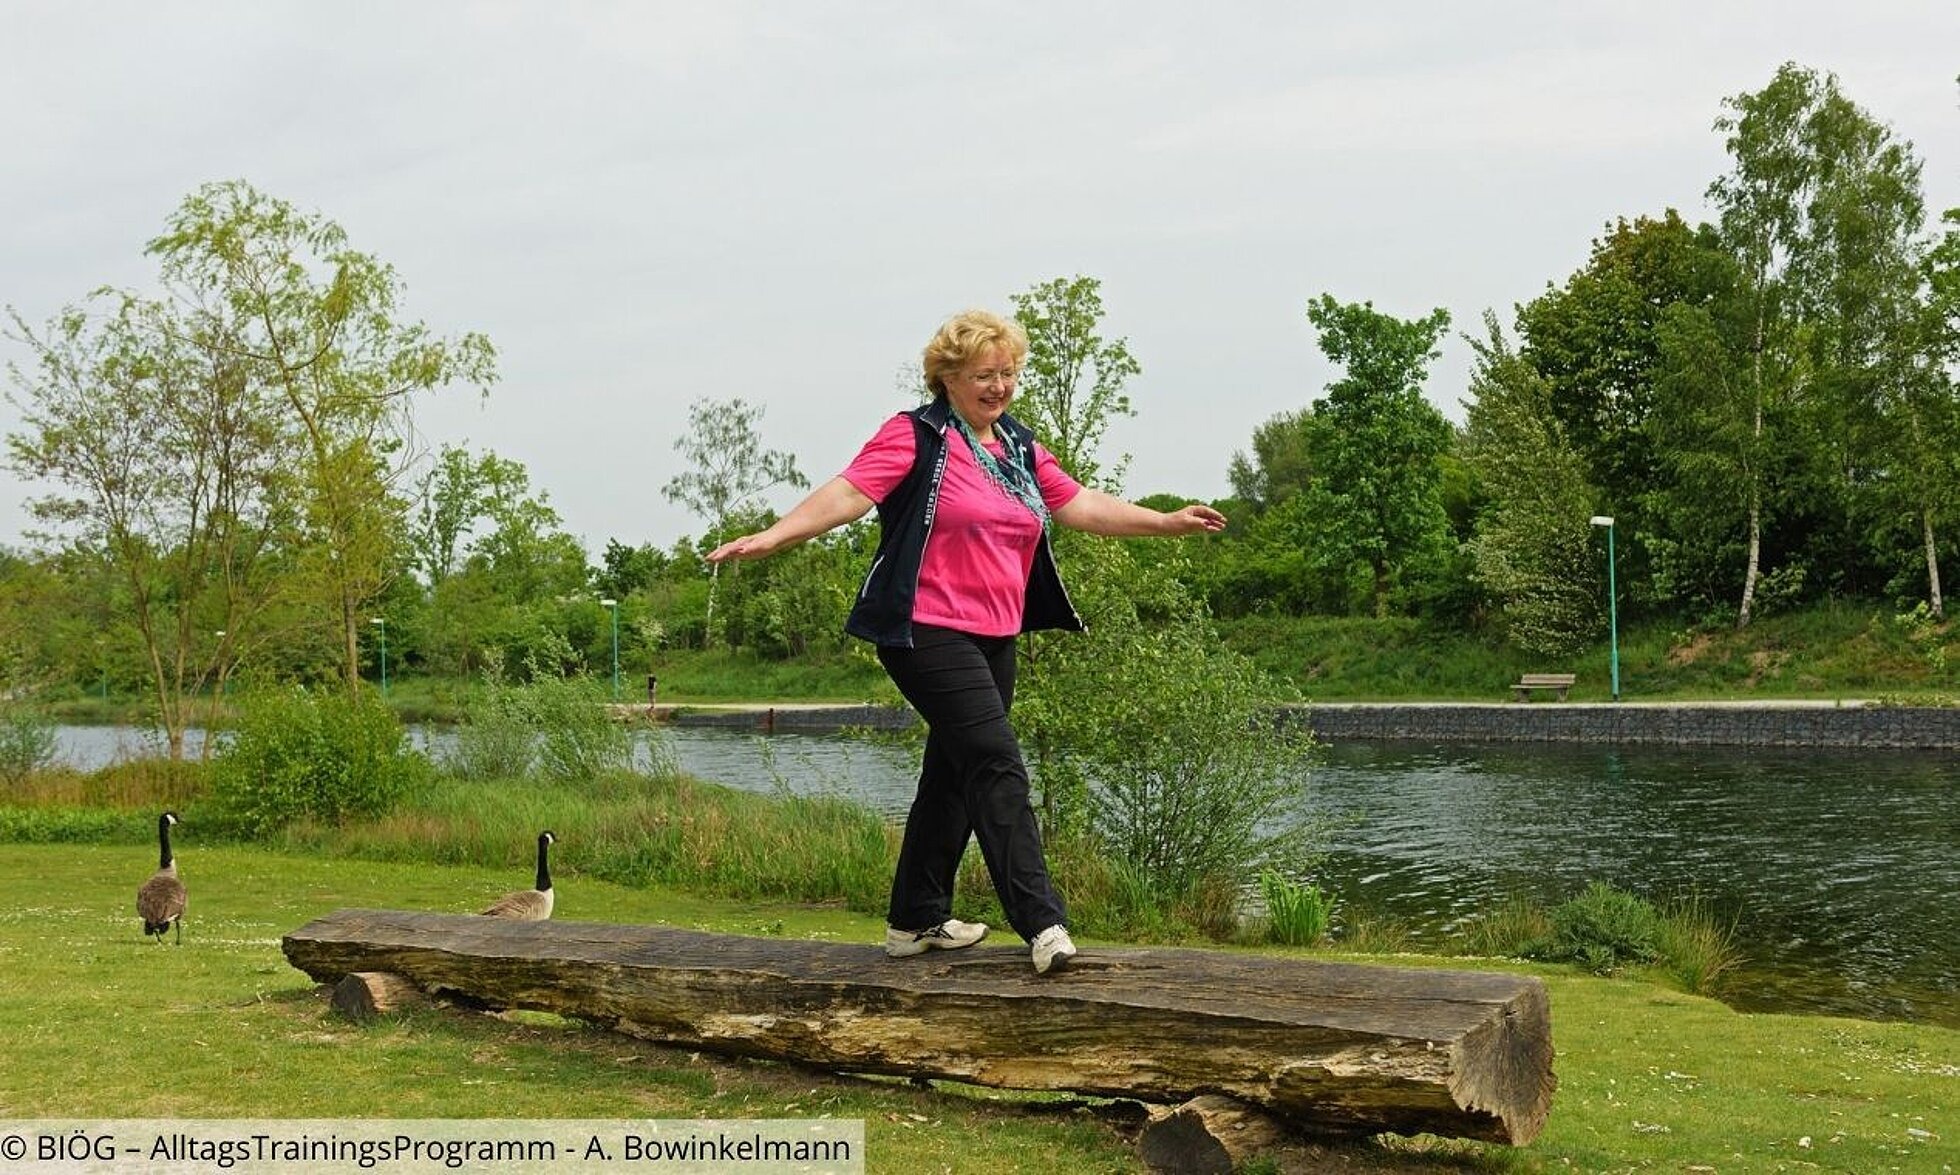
(1321,1047)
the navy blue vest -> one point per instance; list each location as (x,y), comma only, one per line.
(883,612)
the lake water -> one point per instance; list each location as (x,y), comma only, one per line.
(1841,869)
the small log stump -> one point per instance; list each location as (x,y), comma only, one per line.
(364,995)
(1209,1135)
(1324,1048)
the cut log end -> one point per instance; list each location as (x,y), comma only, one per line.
(1208,1135)
(1503,1067)
(365,995)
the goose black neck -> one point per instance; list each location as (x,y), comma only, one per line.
(544,870)
(163,842)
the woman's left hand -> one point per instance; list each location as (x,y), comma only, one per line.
(1197,518)
(1105,514)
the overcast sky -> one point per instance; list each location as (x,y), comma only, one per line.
(642,204)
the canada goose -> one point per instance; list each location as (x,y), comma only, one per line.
(161,900)
(529,905)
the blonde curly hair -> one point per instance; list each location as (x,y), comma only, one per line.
(965,335)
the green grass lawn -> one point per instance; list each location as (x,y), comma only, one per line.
(99,1022)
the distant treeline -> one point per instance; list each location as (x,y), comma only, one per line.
(1764,407)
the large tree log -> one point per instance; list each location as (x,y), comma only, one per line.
(1322,1047)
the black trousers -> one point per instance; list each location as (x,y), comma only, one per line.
(973,782)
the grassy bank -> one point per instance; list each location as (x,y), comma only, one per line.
(1840,649)
(1833,651)
(100,1022)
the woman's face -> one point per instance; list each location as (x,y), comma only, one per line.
(983,387)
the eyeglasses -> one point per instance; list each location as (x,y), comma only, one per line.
(1006,375)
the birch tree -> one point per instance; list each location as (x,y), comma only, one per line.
(1930,408)
(1823,211)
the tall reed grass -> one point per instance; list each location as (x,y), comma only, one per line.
(131,784)
(1697,945)
(1373,932)
(1604,930)
(1298,913)
(638,830)
(1506,929)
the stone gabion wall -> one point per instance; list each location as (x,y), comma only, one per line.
(1769,725)
(1765,725)
(801,719)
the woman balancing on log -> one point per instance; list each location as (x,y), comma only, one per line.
(966,498)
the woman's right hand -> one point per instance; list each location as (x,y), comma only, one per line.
(749,546)
(834,503)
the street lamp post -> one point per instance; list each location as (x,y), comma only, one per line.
(1612,600)
(612,606)
(381,623)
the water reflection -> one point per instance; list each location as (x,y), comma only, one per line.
(877,774)
(1840,867)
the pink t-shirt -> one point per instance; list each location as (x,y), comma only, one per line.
(974,576)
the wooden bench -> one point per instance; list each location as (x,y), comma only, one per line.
(1551,681)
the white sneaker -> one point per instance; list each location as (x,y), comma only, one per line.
(1052,949)
(949,935)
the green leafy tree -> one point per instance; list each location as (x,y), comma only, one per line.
(525,549)
(1375,445)
(728,471)
(281,296)
(1531,549)
(796,603)
(625,569)
(448,507)
(1595,342)
(1280,465)
(506,580)
(1713,432)
(1262,566)
(1761,201)
(1072,384)
(1857,281)
(169,458)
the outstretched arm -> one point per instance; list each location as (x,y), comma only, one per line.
(828,507)
(1103,514)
